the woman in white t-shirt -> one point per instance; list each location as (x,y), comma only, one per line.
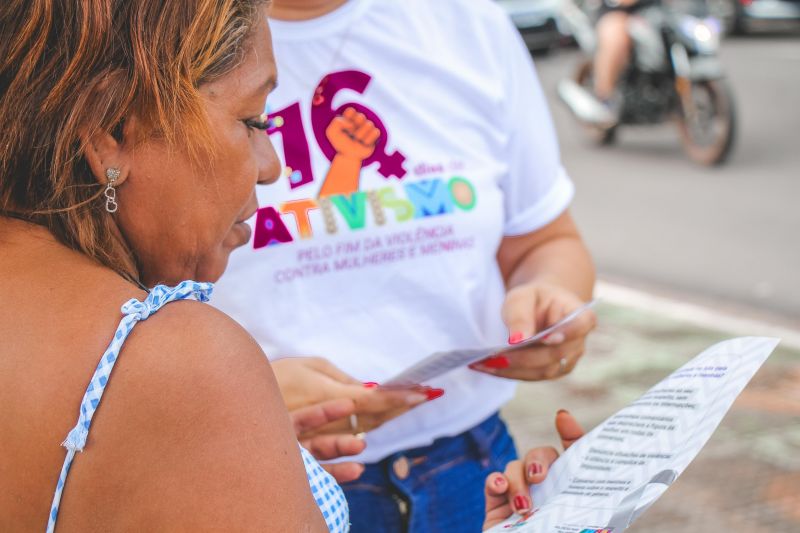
(423,207)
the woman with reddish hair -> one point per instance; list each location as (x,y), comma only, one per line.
(132,140)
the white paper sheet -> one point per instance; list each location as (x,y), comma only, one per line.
(440,363)
(613,474)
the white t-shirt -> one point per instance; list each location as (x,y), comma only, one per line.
(401,263)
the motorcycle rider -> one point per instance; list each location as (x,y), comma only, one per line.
(613,46)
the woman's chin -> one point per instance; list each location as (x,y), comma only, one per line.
(241,232)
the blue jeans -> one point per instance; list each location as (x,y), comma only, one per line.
(438,488)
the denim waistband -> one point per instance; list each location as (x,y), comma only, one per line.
(477,440)
(414,466)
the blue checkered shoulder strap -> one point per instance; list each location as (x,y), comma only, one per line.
(133,311)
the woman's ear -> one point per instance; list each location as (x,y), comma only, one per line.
(102,151)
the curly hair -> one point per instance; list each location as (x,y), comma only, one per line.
(69,68)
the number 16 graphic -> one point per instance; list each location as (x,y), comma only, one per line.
(288,122)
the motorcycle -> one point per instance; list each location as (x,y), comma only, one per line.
(674,72)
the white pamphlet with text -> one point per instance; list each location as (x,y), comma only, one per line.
(614,473)
(440,363)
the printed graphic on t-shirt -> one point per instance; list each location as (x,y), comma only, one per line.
(353,137)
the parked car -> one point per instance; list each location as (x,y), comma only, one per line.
(537,21)
(743,16)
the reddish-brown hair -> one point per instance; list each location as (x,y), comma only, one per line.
(73,67)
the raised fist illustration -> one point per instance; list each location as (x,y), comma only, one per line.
(353,135)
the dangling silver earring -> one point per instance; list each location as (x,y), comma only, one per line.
(111,193)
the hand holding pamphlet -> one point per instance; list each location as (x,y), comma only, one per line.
(607,479)
(440,363)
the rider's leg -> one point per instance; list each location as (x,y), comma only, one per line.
(613,51)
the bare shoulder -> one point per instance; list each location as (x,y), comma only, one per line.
(192,434)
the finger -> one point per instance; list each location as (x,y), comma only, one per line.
(522,374)
(350,114)
(365,129)
(570,353)
(364,423)
(329,369)
(497,507)
(535,358)
(376,401)
(344,123)
(519,314)
(568,428)
(327,447)
(372,137)
(575,329)
(518,490)
(537,463)
(367,420)
(307,419)
(357,118)
(344,472)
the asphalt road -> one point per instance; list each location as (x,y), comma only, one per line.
(729,236)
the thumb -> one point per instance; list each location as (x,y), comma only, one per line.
(568,428)
(519,314)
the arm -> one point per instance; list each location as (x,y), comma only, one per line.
(554,255)
(354,137)
(192,435)
(545,265)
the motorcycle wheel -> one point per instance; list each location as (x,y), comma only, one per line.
(601,136)
(708,134)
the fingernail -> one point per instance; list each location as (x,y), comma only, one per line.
(561,411)
(498,481)
(416,398)
(499,361)
(515,338)
(434,393)
(370,385)
(554,338)
(521,503)
(534,469)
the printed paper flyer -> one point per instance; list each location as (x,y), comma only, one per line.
(440,363)
(612,475)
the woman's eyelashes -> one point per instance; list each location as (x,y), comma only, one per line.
(261,122)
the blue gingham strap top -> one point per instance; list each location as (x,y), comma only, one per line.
(133,311)
(327,493)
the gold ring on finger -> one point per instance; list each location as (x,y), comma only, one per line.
(354,427)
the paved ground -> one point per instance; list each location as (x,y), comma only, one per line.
(723,236)
(746,479)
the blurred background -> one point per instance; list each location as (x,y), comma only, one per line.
(689,254)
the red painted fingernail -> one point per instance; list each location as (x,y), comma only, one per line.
(499,361)
(535,469)
(370,385)
(521,503)
(434,393)
(515,338)
(498,481)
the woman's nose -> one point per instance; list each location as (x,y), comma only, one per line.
(269,167)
